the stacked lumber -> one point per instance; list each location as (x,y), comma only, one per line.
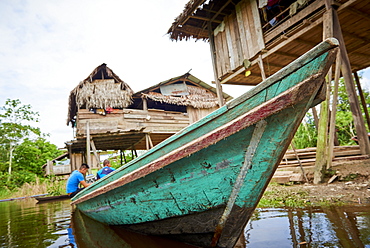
(307,156)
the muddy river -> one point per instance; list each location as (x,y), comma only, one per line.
(25,223)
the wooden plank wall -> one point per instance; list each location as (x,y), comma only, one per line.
(195,114)
(239,37)
(131,119)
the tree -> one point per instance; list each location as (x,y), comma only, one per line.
(15,120)
(30,155)
(344,124)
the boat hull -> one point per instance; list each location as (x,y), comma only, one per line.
(202,184)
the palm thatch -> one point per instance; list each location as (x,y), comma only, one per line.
(197,98)
(200,94)
(194,21)
(101,89)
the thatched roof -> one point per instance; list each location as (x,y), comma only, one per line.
(200,94)
(101,89)
(193,21)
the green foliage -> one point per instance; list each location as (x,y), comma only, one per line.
(16,179)
(30,155)
(306,135)
(56,186)
(23,148)
(276,196)
(115,159)
(15,120)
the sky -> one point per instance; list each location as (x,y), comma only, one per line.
(48,47)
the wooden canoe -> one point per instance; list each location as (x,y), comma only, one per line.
(51,198)
(202,184)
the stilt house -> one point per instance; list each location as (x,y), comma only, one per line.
(107,115)
(252,39)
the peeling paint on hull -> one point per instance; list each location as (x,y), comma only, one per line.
(186,186)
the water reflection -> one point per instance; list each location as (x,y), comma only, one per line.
(346,226)
(90,233)
(27,224)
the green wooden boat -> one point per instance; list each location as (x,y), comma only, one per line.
(202,184)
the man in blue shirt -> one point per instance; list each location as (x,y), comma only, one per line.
(77,177)
(105,170)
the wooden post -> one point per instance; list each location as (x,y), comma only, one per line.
(333,112)
(363,101)
(260,64)
(322,136)
(88,152)
(95,153)
(299,161)
(148,141)
(363,139)
(315,117)
(47,172)
(145,103)
(322,141)
(214,63)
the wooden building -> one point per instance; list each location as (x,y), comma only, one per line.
(252,39)
(107,115)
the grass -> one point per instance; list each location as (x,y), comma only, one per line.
(285,196)
(280,196)
(51,186)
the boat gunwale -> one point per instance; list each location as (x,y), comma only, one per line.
(315,52)
(282,101)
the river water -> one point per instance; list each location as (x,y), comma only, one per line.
(25,223)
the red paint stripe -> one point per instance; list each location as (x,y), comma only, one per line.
(270,107)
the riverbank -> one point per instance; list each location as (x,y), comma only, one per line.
(346,183)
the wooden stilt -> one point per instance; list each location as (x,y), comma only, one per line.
(322,136)
(213,55)
(363,139)
(88,152)
(363,101)
(299,161)
(145,103)
(148,141)
(260,64)
(333,111)
(120,153)
(315,117)
(95,153)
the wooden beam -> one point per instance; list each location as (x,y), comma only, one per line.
(363,139)
(95,153)
(359,13)
(306,42)
(354,35)
(145,103)
(214,64)
(293,20)
(88,152)
(322,134)
(260,64)
(216,14)
(363,101)
(333,111)
(204,19)
(291,55)
(347,4)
